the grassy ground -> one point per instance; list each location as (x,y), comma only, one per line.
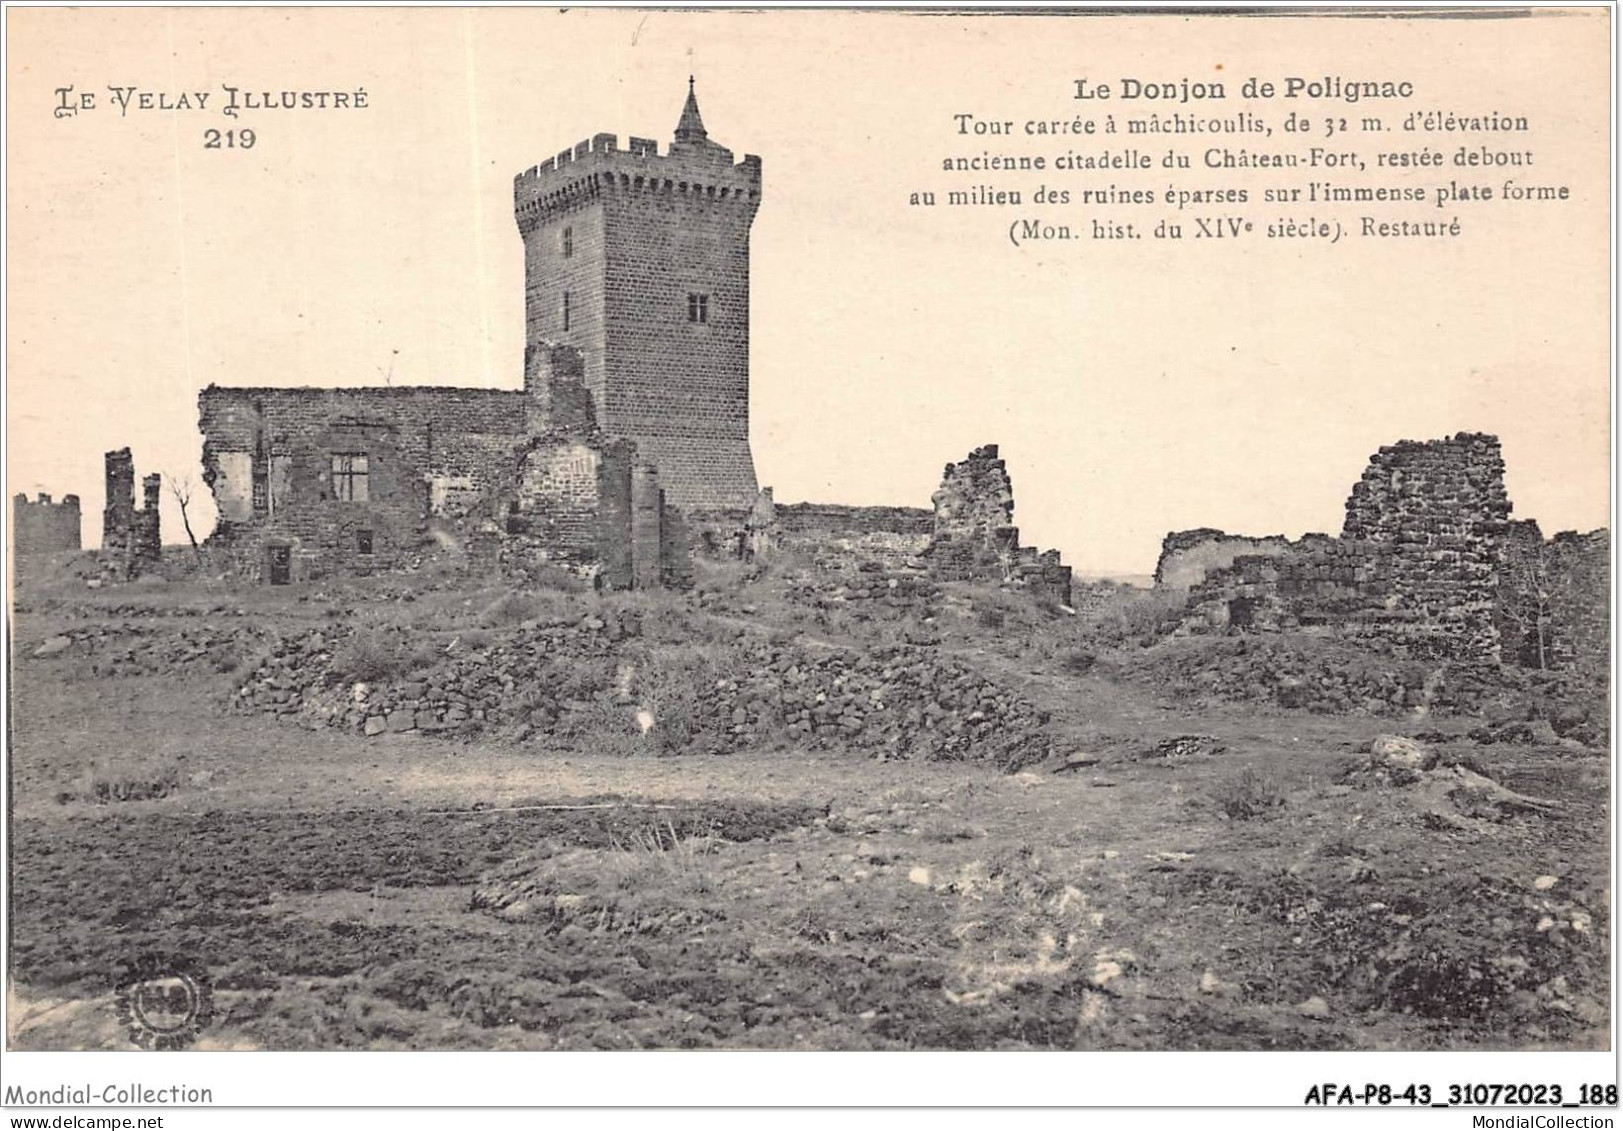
(408,892)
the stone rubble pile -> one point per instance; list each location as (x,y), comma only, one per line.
(133,650)
(451,687)
(541,680)
(1326,680)
(898,701)
(86,611)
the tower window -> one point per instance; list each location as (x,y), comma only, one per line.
(568,242)
(349,477)
(698,308)
(566,310)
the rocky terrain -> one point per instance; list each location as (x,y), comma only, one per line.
(798,807)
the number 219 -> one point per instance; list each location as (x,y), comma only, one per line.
(229,139)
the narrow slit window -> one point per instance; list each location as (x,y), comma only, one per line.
(566,310)
(350,472)
(568,242)
(698,308)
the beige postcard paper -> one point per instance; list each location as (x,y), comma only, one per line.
(862,530)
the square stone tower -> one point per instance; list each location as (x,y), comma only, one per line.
(641,261)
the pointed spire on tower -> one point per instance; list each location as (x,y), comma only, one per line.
(691,127)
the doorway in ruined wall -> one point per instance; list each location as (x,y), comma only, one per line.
(279,564)
(1242,612)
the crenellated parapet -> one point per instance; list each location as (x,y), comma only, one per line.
(40,526)
(640,260)
(698,173)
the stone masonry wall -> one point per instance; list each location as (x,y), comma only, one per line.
(833,520)
(579,499)
(131,540)
(1555,600)
(974,537)
(557,498)
(630,235)
(43,527)
(838,536)
(1428,561)
(268,457)
(1318,581)
(526,475)
(1579,571)
(1522,600)
(1187,556)
(447,432)
(1440,505)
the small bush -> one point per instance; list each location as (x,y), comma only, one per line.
(104,785)
(1138,617)
(677,686)
(1247,796)
(601,726)
(663,857)
(372,656)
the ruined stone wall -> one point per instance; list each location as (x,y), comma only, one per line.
(1554,600)
(557,498)
(974,536)
(1316,582)
(834,520)
(1578,576)
(556,396)
(838,536)
(615,514)
(1441,507)
(675,550)
(1429,562)
(1522,601)
(448,433)
(1043,574)
(647,512)
(1187,556)
(583,501)
(526,478)
(131,538)
(43,527)
(268,457)
(1089,598)
(323,532)
(975,501)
